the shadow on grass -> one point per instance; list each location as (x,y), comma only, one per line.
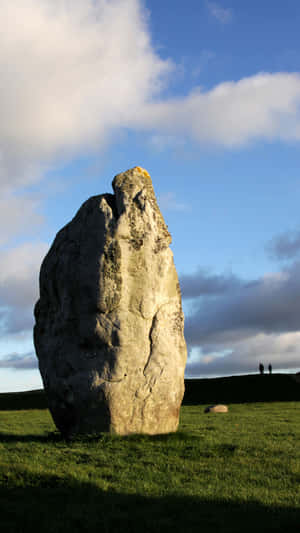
(16,437)
(62,505)
(55,436)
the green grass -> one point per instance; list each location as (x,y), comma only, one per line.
(237,472)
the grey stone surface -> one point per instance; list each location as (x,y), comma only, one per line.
(109,322)
(219,408)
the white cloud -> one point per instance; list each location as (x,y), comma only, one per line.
(168,202)
(19,362)
(21,382)
(20,342)
(222,14)
(204,58)
(19,277)
(18,214)
(161,142)
(71,72)
(263,106)
(19,270)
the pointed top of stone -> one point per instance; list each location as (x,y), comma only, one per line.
(141,170)
(136,172)
(135,176)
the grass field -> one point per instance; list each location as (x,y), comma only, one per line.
(235,472)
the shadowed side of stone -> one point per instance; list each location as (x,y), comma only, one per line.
(109,322)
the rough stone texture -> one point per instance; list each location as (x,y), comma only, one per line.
(216,409)
(109,322)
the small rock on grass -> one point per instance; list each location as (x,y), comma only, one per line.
(216,409)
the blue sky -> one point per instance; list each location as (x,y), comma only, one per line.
(204,95)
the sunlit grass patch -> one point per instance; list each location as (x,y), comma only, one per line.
(237,471)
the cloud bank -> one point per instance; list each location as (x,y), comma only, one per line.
(19,362)
(281,351)
(234,113)
(235,323)
(285,246)
(19,214)
(203,283)
(72,74)
(19,275)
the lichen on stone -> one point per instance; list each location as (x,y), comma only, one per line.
(143,171)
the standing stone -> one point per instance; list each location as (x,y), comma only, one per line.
(109,321)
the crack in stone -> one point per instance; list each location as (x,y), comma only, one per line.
(150,335)
(150,342)
(113,380)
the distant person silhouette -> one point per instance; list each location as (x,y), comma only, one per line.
(270,369)
(261,368)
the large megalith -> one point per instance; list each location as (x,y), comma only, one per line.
(109,321)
